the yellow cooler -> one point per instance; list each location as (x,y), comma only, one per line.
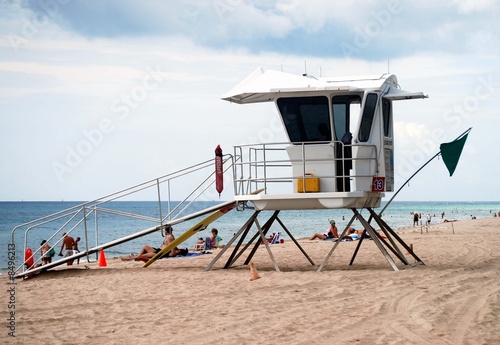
(311,184)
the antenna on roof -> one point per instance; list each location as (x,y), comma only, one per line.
(305,68)
(388,66)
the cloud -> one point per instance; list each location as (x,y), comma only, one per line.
(359,29)
(470,6)
(80,58)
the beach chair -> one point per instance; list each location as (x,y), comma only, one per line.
(276,238)
(199,246)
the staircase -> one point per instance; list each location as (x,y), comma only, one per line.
(89,217)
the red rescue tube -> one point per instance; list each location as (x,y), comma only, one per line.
(28,258)
(219,171)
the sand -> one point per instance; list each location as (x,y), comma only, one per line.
(453,299)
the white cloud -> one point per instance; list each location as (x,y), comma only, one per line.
(65,80)
(469,6)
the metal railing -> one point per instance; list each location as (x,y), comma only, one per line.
(259,166)
(81,215)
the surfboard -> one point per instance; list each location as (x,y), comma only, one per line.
(202,225)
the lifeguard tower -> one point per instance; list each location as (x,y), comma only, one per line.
(339,155)
(340,152)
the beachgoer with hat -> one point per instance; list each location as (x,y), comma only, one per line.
(331,232)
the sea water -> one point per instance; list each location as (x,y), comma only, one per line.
(107,226)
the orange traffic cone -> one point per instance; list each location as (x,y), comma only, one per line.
(411,248)
(102,259)
(253,272)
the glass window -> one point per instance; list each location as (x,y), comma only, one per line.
(367,117)
(340,119)
(306,119)
(386,112)
(345,114)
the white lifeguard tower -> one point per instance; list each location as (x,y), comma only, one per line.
(341,148)
(340,152)
(339,156)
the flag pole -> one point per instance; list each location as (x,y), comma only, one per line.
(416,172)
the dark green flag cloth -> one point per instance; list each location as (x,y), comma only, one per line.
(451,153)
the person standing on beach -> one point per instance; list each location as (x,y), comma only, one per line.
(76,250)
(45,252)
(68,243)
(415,218)
(428,219)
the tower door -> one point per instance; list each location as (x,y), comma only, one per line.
(345,110)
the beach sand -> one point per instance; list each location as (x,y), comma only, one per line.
(453,299)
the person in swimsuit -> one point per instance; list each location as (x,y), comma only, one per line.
(352,234)
(147,252)
(76,250)
(44,252)
(331,232)
(69,243)
(415,218)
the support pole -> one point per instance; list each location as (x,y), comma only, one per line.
(264,229)
(376,240)
(323,264)
(295,241)
(416,172)
(245,228)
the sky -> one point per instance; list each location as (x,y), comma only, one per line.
(99,96)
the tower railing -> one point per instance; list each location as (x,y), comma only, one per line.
(269,164)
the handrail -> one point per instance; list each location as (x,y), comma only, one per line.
(259,164)
(127,238)
(74,216)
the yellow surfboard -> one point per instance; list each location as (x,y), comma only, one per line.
(202,225)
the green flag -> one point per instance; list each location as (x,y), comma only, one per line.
(451,153)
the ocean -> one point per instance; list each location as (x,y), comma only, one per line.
(112,224)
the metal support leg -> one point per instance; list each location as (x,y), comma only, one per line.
(295,241)
(323,264)
(246,227)
(363,234)
(266,227)
(395,235)
(266,244)
(392,246)
(375,239)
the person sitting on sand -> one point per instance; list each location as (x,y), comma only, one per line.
(274,238)
(352,234)
(147,252)
(213,241)
(331,232)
